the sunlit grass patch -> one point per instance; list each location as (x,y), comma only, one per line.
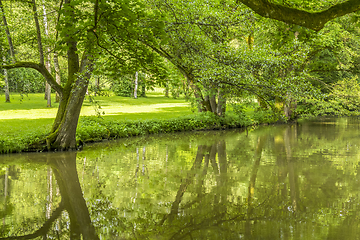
(28,114)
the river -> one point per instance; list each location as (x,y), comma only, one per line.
(296,181)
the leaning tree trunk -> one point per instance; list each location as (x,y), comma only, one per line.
(63,134)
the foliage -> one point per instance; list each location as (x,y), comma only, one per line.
(343,100)
(347,93)
(124,85)
(92,129)
(26,81)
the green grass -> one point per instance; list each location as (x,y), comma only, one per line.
(28,114)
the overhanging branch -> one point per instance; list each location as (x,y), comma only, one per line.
(314,21)
(41,69)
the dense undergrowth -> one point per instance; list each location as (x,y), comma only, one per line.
(94,129)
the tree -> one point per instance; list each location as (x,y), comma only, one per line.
(77,34)
(12,51)
(198,33)
(48,58)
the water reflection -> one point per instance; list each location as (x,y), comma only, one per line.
(63,166)
(283,182)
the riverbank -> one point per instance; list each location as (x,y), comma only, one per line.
(24,124)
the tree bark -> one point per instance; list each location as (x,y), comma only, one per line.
(136,84)
(167,89)
(8,35)
(221,108)
(213,103)
(38,33)
(6,80)
(48,59)
(40,49)
(143,88)
(57,74)
(64,128)
(203,103)
(12,52)
(63,132)
(312,20)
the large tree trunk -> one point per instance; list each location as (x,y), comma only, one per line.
(64,128)
(62,135)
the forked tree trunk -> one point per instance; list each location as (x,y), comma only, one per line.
(63,134)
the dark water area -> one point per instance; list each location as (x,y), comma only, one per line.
(297,181)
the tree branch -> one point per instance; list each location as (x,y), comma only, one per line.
(41,69)
(45,227)
(314,21)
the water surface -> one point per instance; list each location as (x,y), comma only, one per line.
(295,181)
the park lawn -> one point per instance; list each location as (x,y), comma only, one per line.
(28,114)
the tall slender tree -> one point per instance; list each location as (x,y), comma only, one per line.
(12,51)
(48,57)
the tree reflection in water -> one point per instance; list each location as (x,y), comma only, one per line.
(72,200)
(285,182)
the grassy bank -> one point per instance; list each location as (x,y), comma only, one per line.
(26,120)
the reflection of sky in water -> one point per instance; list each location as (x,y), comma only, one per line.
(279,182)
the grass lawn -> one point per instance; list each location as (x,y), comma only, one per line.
(28,113)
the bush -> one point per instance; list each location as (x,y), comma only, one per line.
(94,129)
(26,143)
